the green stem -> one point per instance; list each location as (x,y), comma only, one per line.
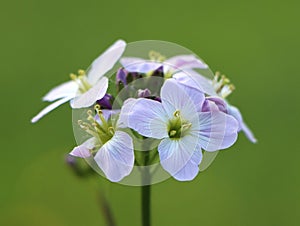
(146,193)
(146,209)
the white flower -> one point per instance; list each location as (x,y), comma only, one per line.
(84,89)
(111,148)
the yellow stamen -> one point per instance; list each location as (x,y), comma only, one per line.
(177,113)
(73,76)
(81,72)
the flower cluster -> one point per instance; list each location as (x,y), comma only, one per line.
(166,100)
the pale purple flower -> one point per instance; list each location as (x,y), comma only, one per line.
(183,127)
(86,88)
(170,66)
(111,149)
(219,86)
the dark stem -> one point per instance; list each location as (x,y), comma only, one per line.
(146,211)
(84,172)
(146,192)
(106,211)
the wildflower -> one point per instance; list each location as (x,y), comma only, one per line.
(85,88)
(219,86)
(111,148)
(171,65)
(183,127)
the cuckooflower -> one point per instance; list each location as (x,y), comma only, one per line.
(111,148)
(170,66)
(86,88)
(184,125)
(219,86)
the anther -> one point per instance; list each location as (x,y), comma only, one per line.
(177,113)
(81,72)
(73,76)
(97,107)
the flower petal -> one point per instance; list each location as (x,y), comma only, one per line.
(217,130)
(242,126)
(125,112)
(49,108)
(174,97)
(116,157)
(145,116)
(66,89)
(92,95)
(214,104)
(143,67)
(105,61)
(126,61)
(121,76)
(175,154)
(191,169)
(195,80)
(83,150)
(181,62)
(134,64)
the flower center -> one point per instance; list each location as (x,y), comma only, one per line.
(81,81)
(178,127)
(101,129)
(222,85)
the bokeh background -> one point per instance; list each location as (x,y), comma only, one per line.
(255,43)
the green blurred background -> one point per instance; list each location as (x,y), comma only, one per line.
(255,43)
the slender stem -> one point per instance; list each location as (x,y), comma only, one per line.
(146,205)
(85,172)
(106,211)
(146,192)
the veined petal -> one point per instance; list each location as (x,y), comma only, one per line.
(116,157)
(217,130)
(143,67)
(191,169)
(83,150)
(242,126)
(92,95)
(67,89)
(181,62)
(135,64)
(176,153)
(175,97)
(145,116)
(195,80)
(49,108)
(105,61)
(248,133)
(125,112)
(214,104)
(126,61)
